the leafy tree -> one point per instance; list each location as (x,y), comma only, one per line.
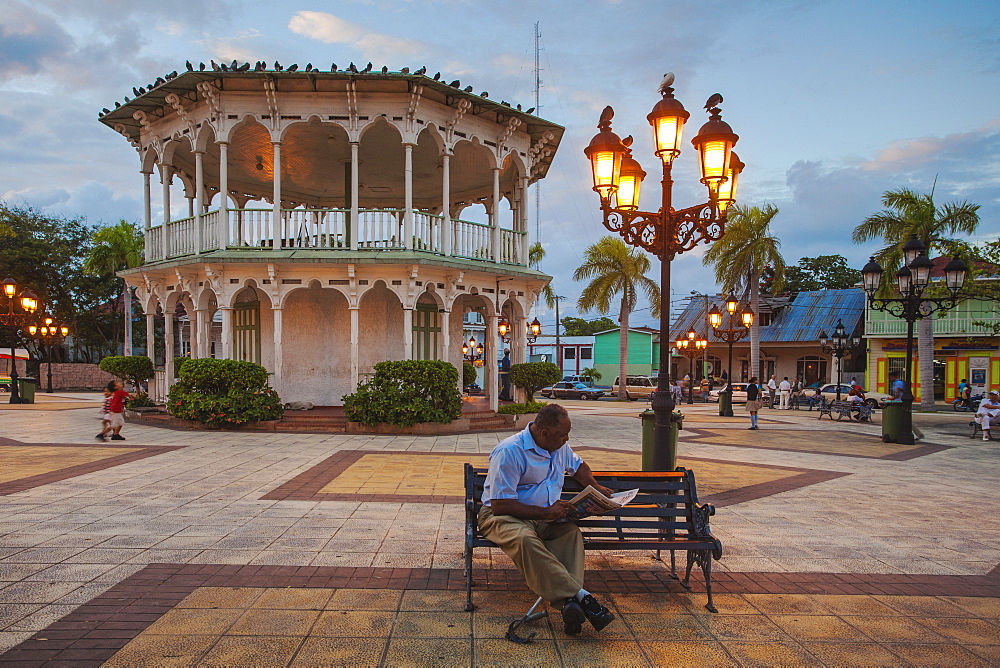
(740,258)
(115,248)
(591,372)
(580,327)
(533,376)
(814,273)
(46,254)
(132,369)
(536,253)
(906,214)
(616,270)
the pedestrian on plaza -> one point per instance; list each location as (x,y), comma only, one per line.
(505,376)
(524,515)
(109,389)
(116,416)
(964,391)
(816,398)
(772,390)
(785,389)
(706,387)
(897,386)
(988,411)
(754,402)
(677,389)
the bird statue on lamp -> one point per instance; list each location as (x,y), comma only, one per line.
(714,101)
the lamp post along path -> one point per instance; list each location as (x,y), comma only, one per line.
(839,345)
(48,334)
(911,304)
(737,329)
(19,311)
(665,233)
(692,348)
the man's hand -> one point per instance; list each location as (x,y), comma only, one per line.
(606,491)
(558,510)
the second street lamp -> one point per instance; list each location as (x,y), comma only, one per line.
(737,328)
(839,345)
(911,305)
(692,348)
(666,232)
(18,312)
(48,334)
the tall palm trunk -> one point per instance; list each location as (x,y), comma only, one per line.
(623,351)
(127,308)
(754,328)
(925,362)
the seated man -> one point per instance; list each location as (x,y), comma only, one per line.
(815,398)
(523,514)
(988,412)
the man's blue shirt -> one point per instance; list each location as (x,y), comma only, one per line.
(520,469)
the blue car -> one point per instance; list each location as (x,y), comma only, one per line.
(574,390)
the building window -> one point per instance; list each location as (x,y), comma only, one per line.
(896,367)
(586,353)
(764,318)
(569,353)
(426,332)
(811,369)
(246,327)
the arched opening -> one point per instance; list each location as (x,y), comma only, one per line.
(316,335)
(380,328)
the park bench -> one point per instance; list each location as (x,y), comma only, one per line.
(861,412)
(977,430)
(665,516)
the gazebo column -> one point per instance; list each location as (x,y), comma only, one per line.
(147,205)
(199,194)
(447,233)
(407,333)
(201,339)
(519,350)
(277,383)
(166,176)
(445,337)
(495,215)
(408,196)
(227,332)
(168,347)
(276,211)
(490,362)
(224,196)
(190,199)
(355,208)
(355,353)
(522,212)
(151,337)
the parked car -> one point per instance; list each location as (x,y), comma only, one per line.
(739,393)
(575,390)
(636,387)
(586,380)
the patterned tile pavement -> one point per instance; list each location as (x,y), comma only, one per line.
(868,559)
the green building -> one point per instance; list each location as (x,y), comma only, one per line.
(643,352)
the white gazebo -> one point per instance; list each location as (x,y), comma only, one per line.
(339,241)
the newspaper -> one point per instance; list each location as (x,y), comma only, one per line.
(591,502)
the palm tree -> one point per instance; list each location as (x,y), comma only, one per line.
(115,248)
(740,257)
(908,213)
(535,256)
(617,270)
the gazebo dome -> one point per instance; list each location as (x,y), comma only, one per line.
(335,183)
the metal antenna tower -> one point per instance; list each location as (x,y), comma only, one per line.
(538,112)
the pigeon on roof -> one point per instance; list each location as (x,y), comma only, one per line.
(422,70)
(385,69)
(530,111)
(201,67)
(484,94)
(437,76)
(404,70)
(455,83)
(468,89)
(309,67)
(352,68)
(215,66)
(333,67)
(245,66)
(368,68)
(294,67)
(189,66)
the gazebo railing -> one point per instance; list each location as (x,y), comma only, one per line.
(330,229)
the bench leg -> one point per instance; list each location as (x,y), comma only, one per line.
(469,607)
(529,616)
(704,560)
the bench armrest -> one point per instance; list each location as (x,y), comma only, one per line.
(700,512)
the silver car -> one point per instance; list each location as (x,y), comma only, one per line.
(739,393)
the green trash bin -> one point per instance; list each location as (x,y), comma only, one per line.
(892,421)
(648,418)
(26,388)
(723,403)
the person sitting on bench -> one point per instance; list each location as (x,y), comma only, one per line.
(988,411)
(523,514)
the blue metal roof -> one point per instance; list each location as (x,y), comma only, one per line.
(801,320)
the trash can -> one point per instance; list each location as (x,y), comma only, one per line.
(723,403)
(26,388)
(648,418)
(892,421)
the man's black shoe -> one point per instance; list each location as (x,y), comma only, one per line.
(117,437)
(597,614)
(101,437)
(573,616)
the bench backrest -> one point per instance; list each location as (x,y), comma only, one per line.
(664,503)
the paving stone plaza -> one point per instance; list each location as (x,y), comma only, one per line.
(223,548)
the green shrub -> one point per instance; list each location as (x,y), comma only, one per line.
(140,400)
(521,409)
(131,369)
(179,364)
(469,374)
(405,393)
(533,376)
(221,393)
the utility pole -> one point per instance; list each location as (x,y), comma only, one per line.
(558,348)
(538,112)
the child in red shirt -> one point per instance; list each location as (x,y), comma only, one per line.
(117,411)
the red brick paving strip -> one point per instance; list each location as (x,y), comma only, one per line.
(95,631)
(703,435)
(307,485)
(22,484)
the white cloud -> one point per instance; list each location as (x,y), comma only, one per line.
(234,48)
(325,27)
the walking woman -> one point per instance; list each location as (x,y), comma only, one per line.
(754,401)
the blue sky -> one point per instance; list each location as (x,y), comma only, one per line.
(835,102)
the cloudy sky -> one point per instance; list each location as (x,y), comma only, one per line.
(834,101)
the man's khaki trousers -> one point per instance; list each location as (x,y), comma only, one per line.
(548,554)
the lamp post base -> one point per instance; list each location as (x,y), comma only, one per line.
(664,437)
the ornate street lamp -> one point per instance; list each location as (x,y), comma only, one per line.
(19,311)
(737,328)
(472,351)
(503,329)
(839,345)
(534,329)
(912,305)
(666,232)
(48,334)
(692,348)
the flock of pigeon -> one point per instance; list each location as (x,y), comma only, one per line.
(261,66)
